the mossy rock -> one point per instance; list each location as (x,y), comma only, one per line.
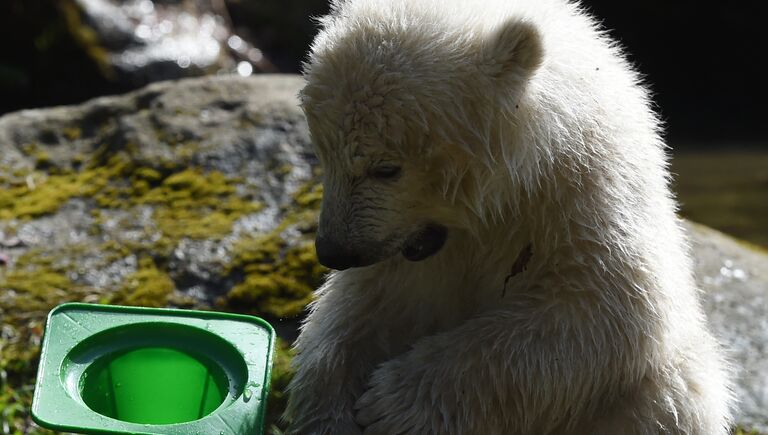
(134,200)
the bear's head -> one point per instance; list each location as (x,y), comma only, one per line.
(401,110)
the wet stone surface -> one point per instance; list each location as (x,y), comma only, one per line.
(734,280)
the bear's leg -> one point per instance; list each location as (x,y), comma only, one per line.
(639,413)
(335,356)
(666,403)
(527,369)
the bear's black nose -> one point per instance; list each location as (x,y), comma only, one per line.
(333,255)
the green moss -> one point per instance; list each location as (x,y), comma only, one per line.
(147,287)
(34,285)
(279,275)
(14,410)
(193,204)
(28,291)
(44,194)
(29,148)
(187,202)
(25,202)
(147,174)
(309,195)
(42,160)
(72,133)
(278,281)
(282,373)
(112,251)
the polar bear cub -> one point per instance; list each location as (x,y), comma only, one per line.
(496,203)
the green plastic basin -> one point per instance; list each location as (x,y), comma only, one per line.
(107,369)
(155,385)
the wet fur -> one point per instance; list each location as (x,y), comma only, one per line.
(518,123)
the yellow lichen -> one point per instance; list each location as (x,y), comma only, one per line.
(194,204)
(42,160)
(147,287)
(188,202)
(309,195)
(179,223)
(33,290)
(279,275)
(26,296)
(282,373)
(28,291)
(29,148)
(147,174)
(38,281)
(42,194)
(72,133)
(279,280)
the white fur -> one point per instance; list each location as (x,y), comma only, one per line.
(516,122)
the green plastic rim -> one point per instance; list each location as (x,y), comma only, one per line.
(120,370)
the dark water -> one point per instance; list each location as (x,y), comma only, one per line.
(726,189)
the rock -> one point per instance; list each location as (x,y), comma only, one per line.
(201,193)
(186,173)
(204,193)
(734,278)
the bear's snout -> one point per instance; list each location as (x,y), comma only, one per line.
(335,255)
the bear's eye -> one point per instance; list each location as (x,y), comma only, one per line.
(385,172)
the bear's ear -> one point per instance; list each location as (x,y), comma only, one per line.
(514,49)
